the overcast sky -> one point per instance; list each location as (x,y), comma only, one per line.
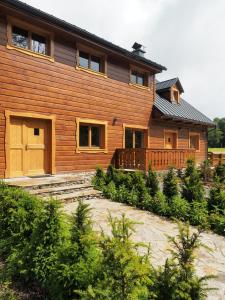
(186,36)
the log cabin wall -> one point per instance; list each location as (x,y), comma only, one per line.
(34,85)
(157,136)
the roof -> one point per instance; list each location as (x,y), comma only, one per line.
(19,5)
(181,111)
(164,85)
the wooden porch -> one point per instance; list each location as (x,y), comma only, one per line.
(160,159)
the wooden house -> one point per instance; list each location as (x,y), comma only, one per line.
(71,101)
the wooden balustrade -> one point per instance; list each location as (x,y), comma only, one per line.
(216,158)
(160,159)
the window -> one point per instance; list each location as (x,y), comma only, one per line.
(26,39)
(194,141)
(176,96)
(134,138)
(91,135)
(89,61)
(138,78)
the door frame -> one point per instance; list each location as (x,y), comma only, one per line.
(51,118)
(174,132)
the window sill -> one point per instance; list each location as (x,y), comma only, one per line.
(139,86)
(31,53)
(91,150)
(91,71)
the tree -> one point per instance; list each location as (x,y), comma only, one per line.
(152,182)
(170,184)
(216,136)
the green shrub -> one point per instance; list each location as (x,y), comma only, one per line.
(179,208)
(206,171)
(220,172)
(178,279)
(110,191)
(152,182)
(98,180)
(110,174)
(193,188)
(79,260)
(199,214)
(126,272)
(217,196)
(18,211)
(133,197)
(123,194)
(217,222)
(6,292)
(49,235)
(170,184)
(190,167)
(159,204)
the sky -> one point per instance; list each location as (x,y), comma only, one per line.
(186,36)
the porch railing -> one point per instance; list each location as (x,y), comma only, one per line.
(216,158)
(160,159)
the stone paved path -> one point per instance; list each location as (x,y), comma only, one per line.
(154,230)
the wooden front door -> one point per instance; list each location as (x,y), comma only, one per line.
(30,141)
(170,140)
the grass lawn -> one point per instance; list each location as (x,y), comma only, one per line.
(216,149)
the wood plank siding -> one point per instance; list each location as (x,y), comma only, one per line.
(32,85)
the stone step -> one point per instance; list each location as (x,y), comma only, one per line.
(74,196)
(51,191)
(34,184)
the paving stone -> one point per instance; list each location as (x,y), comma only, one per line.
(154,230)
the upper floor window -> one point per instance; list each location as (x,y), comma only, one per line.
(134,138)
(138,78)
(176,95)
(89,61)
(28,40)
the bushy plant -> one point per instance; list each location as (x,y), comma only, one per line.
(110,191)
(18,211)
(217,196)
(152,182)
(170,184)
(206,171)
(217,222)
(193,188)
(179,208)
(178,280)
(79,260)
(159,204)
(125,271)
(36,260)
(6,292)
(220,172)
(190,167)
(98,180)
(199,214)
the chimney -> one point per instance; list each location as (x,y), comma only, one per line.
(138,49)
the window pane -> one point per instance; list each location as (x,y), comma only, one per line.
(95,63)
(128,138)
(38,43)
(83,136)
(19,37)
(133,77)
(95,136)
(140,79)
(138,139)
(83,57)
(194,142)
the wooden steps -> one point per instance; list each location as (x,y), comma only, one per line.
(62,188)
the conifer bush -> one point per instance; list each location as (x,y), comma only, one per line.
(152,182)
(217,196)
(192,187)
(198,215)
(178,279)
(170,184)
(98,180)
(220,172)
(179,208)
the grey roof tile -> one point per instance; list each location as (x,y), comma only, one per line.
(182,110)
(164,85)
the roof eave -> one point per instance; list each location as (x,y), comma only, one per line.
(164,116)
